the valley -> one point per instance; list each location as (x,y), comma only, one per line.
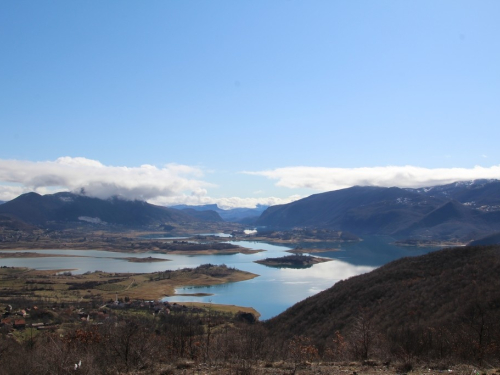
(365,262)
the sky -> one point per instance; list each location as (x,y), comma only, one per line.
(242,103)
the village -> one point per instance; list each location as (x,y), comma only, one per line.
(61,317)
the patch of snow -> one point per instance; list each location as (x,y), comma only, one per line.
(403,200)
(93,220)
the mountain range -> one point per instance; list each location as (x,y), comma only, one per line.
(461,211)
(68,209)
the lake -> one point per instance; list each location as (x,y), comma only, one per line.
(272,292)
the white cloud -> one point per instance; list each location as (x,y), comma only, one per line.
(182,184)
(326,179)
(9,192)
(98,180)
(169,185)
(224,203)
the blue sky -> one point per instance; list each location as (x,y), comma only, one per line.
(245,102)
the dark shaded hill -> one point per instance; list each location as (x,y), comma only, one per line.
(359,209)
(453,220)
(443,289)
(488,240)
(10,222)
(402,213)
(65,208)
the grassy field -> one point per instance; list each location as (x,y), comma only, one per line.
(62,286)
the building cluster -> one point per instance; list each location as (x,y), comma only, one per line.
(51,318)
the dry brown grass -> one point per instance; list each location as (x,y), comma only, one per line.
(52,285)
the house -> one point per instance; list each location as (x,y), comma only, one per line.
(6,322)
(19,324)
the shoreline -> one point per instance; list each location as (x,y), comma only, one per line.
(236,250)
(310,251)
(430,244)
(61,285)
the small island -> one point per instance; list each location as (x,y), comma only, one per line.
(293,261)
(145,260)
(301,250)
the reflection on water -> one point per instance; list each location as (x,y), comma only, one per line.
(220,234)
(272,292)
(276,289)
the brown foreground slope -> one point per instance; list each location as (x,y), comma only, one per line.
(452,293)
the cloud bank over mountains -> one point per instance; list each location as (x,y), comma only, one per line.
(182,184)
(97,180)
(327,179)
(199,198)
(171,184)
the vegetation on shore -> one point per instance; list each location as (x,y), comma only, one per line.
(304,235)
(428,243)
(302,250)
(146,260)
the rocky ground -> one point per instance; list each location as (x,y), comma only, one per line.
(285,368)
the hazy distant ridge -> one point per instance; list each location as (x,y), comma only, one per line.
(241,214)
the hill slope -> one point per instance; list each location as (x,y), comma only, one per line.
(488,240)
(10,222)
(64,208)
(476,193)
(444,289)
(431,213)
(361,209)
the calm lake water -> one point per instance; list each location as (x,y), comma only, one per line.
(272,292)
